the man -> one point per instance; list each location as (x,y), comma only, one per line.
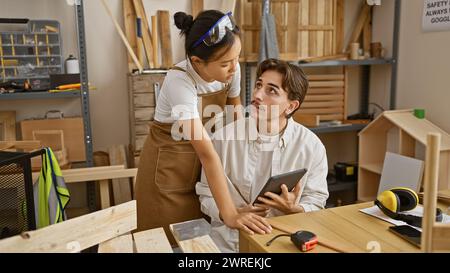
(268,143)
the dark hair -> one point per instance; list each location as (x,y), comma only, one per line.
(194,29)
(294,80)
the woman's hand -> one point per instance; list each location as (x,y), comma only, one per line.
(285,202)
(249,222)
(258,210)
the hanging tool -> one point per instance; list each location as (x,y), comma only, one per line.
(140,41)
(268,44)
(146,35)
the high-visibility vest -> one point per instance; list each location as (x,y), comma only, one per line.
(50,192)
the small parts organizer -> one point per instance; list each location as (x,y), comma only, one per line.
(30,50)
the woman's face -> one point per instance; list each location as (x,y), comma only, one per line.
(222,69)
(269,100)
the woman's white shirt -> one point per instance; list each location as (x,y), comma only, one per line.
(178,97)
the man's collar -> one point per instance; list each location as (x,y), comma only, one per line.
(285,137)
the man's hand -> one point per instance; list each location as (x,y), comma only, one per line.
(284,202)
(249,222)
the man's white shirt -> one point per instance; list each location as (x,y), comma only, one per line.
(250,158)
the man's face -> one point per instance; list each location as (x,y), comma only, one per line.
(269,99)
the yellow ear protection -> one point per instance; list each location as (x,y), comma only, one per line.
(397,200)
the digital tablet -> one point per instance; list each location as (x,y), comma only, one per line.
(274,183)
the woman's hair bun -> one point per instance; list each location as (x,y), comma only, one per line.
(183,21)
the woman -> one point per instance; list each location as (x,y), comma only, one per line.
(169,168)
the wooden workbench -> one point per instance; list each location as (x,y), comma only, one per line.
(345,225)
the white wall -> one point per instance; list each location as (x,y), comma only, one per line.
(424,67)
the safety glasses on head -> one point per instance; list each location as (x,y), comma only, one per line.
(216,33)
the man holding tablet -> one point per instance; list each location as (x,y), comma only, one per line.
(268,144)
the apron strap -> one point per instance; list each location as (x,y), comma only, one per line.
(187,72)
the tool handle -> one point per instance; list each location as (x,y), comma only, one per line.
(139,27)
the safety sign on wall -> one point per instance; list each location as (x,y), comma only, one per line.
(436,15)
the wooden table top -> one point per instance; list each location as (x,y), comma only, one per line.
(346,225)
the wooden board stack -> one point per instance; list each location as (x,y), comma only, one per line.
(304,28)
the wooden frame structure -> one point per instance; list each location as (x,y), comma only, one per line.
(409,131)
(304,28)
(435,236)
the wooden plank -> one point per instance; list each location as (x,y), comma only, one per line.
(152,241)
(364,13)
(328,35)
(307,120)
(407,144)
(323,58)
(323,98)
(102,159)
(321,111)
(345,91)
(122,36)
(292,31)
(256,20)
(367,34)
(197,7)
(228,5)
(142,128)
(129,19)
(326,84)
(144,114)
(299,28)
(304,21)
(326,77)
(26,145)
(164,33)
(430,181)
(202,244)
(321,104)
(140,141)
(246,7)
(146,35)
(121,244)
(441,237)
(155,41)
(339,35)
(321,10)
(50,138)
(99,175)
(76,234)
(313,11)
(313,90)
(121,186)
(7,125)
(326,117)
(102,167)
(144,100)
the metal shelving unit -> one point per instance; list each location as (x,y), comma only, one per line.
(83,94)
(39,95)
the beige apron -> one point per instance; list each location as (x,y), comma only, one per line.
(167,174)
